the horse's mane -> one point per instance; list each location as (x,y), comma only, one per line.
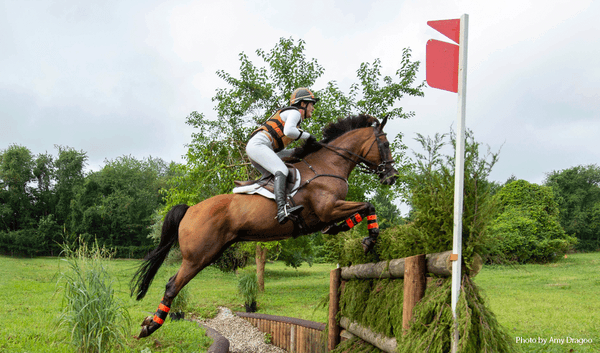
(334,130)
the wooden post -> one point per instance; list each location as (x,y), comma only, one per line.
(334,306)
(293,339)
(261,260)
(415,268)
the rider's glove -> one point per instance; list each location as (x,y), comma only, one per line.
(312,139)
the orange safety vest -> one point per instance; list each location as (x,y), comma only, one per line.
(274,128)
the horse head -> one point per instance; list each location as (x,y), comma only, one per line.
(383,167)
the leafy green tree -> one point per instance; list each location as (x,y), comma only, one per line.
(16,199)
(44,171)
(527,228)
(117,203)
(50,236)
(69,176)
(577,192)
(216,157)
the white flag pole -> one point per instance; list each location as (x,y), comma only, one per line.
(459,173)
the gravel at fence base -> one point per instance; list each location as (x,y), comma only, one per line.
(242,336)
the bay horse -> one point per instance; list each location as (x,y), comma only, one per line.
(208,228)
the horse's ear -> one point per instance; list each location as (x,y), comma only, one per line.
(383,123)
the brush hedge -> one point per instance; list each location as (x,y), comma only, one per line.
(377,304)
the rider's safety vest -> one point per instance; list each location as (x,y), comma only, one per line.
(274,127)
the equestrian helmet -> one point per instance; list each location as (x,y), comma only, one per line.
(302,94)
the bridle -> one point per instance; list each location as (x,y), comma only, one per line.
(364,164)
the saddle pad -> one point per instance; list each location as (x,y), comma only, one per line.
(259,189)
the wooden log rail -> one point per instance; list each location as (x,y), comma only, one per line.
(412,269)
(386,344)
(437,264)
(291,334)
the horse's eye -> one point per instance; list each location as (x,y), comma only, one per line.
(387,145)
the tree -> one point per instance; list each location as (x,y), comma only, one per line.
(16,199)
(527,228)
(117,203)
(44,173)
(577,192)
(69,176)
(216,157)
(431,195)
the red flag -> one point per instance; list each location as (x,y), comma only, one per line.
(442,58)
(442,65)
(449,28)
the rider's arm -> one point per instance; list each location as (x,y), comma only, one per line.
(292,118)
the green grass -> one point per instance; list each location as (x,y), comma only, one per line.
(558,300)
(32,303)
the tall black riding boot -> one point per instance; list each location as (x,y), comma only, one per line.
(283,211)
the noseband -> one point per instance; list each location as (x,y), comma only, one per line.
(381,167)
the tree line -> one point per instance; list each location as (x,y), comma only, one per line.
(46,200)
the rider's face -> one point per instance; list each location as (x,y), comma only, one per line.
(309,109)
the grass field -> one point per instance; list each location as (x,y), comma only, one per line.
(534,302)
(546,303)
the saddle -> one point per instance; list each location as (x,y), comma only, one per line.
(264,186)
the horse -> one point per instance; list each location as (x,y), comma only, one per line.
(207,229)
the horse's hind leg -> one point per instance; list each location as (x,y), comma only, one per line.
(202,239)
(187,271)
(190,267)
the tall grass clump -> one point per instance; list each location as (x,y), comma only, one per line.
(248,288)
(97,321)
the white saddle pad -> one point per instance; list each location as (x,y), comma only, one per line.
(257,189)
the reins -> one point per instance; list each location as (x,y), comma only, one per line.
(365,165)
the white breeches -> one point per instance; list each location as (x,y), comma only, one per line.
(261,154)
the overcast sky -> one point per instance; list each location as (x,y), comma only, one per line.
(117,78)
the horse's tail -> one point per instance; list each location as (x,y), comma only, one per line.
(145,274)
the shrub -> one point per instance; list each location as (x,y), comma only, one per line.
(432,195)
(527,228)
(24,242)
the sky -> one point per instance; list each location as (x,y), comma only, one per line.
(114,78)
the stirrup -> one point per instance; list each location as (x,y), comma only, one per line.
(283,217)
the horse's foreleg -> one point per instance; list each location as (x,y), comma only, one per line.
(350,214)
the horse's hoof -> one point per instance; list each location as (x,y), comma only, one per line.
(143,332)
(368,244)
(147,321)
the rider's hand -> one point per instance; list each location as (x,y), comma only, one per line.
(312,139)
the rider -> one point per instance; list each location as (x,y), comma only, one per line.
(267,145)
